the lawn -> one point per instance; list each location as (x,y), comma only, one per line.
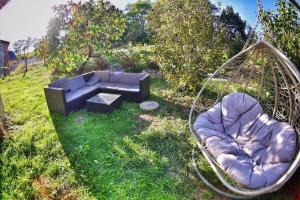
(126,155)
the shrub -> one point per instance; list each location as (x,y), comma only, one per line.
(283,29)
(188,41)
(135,59)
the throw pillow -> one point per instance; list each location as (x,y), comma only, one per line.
(93,80)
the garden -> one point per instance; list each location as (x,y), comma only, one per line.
(132,154)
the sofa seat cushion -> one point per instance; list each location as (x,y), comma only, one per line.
(128,88)
(108,85)
(251,147)
(119,87)
(73,95)
(76,82)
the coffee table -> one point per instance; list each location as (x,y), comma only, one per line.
(104,103)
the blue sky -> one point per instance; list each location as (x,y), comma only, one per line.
(246,8)
(22,18)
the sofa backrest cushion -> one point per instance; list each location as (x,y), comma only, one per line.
(130,78)
(93,80)
(60,83)
(103,75)
(114,76)
(76,82)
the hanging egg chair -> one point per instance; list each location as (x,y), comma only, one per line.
(246,122)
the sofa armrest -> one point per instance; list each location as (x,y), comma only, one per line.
(56,100)
(145,86)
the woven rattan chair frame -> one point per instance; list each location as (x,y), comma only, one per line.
(268,75)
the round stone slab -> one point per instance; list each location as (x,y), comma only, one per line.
(149,105)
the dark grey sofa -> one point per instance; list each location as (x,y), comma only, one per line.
(66,95)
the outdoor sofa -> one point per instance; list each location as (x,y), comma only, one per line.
(67,95)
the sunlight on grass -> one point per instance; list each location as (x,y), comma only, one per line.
(125,155)
(93,156)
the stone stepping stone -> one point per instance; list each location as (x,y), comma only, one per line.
(149,106)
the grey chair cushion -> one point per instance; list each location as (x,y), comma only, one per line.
(130,78)
(103,75)
(75,94)
(76,82)
(252,148)
(61,83)
(93,80)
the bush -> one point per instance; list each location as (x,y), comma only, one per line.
(192,47)
(135,59)
(283,29)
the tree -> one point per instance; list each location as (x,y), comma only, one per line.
(137,30)
(57,26)
(283,29)
(21,47)
(235,30)
(233,22)
(93,27)
(42,48)
(188,44)
(18,46)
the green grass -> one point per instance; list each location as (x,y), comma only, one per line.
(126,155)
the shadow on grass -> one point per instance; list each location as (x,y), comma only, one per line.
(122,156)
(134,155)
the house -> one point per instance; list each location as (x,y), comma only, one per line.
(4,61)
(12,61)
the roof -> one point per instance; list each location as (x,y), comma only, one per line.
(3,41)
(3,2)
(12,55)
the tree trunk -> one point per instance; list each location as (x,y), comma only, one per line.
(81,68)
(2,111)
(3,121)
(26,65)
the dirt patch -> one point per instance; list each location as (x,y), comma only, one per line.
(146,120)
(149,118)
(64,193)
(42,185)
(46,191)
